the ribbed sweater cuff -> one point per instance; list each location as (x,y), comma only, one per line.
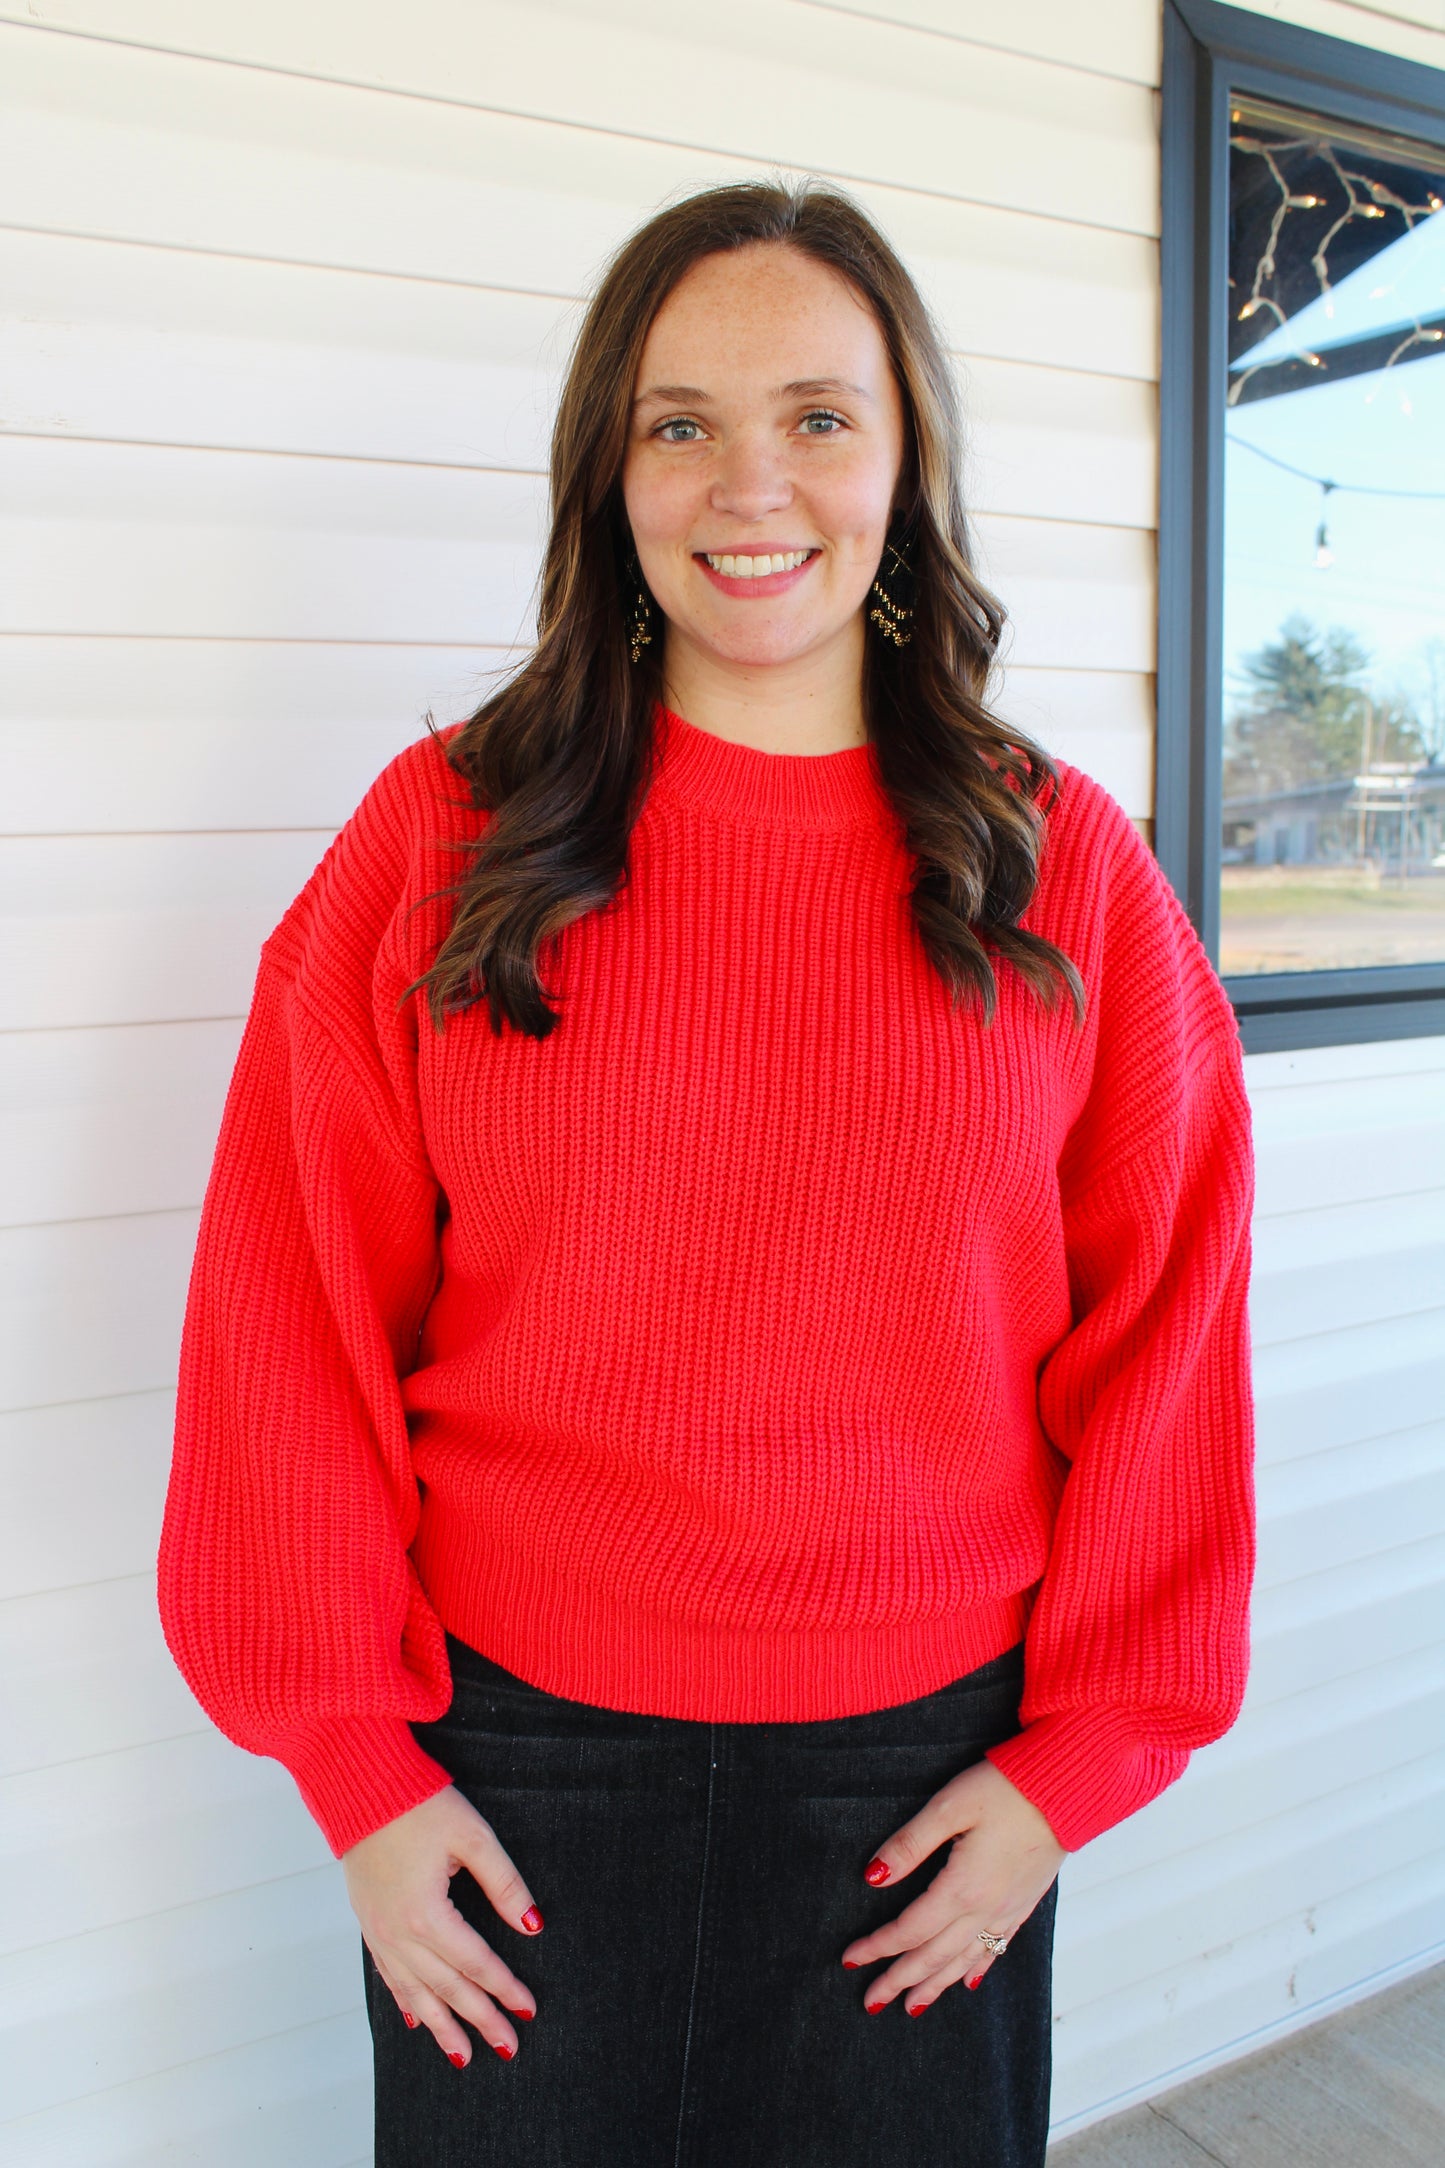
(1086,1769)
(357,1772)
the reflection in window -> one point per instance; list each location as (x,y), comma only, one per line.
(1334,589)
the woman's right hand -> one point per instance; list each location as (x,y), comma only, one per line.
(438,1968)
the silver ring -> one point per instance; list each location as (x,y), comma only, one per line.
(995,1944)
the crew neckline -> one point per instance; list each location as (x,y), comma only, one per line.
(786,790)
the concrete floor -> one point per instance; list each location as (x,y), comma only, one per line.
(1364,2088)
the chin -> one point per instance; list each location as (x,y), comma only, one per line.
(765,648)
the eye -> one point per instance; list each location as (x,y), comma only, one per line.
(822,414)
(679,421)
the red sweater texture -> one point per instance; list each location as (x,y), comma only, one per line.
(773,1341)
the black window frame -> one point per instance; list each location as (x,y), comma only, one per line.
(1212,54)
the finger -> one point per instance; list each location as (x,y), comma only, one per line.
(438,2018)
(916,1966)
(946,1814)
(915,1925)
(428,1987)
(437,1933)
(977,1960)
(491,1866)
(919,1998)
(444,1998)
(398,1996)
(983,1960)
(956,1944)
(947,1899)
(459,1946)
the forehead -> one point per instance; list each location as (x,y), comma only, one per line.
(766,311)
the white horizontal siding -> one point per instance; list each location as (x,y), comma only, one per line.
(114,1454)
(138,145)
(1411,29)
(287,293)
(103,1838)
(1329,1267)
(151,541)
(153,346)
(102,1123)
(97,1646)
(112,934)
(92,1307)
(867,101)
(298,2096)
(1054,30)
(101,735)
(184,1985)
(113,735)
(1297,1862)
(1313,1393)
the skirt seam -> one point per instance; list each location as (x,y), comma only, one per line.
(702,1882)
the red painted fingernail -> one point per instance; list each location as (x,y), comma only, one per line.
(876,1871)
(873,2008)
(503,2050)
(410,2019)
(850,1964)
(916,2009)
(532,1920)
(974,1981)
(527,2014)
(454,2055)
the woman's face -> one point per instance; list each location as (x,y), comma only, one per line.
(767,425)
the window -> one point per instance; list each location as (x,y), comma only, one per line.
(1301,786)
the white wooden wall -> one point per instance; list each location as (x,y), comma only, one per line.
(285,293)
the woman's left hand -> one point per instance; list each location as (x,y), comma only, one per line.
(1003,1858)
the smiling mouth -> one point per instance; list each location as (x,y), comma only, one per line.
(733,567)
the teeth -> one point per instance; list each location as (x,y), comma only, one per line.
(754,568)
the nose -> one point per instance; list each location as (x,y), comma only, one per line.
(751,477)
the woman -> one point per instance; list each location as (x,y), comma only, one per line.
(752,1462)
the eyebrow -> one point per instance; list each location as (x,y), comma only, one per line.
(807,387)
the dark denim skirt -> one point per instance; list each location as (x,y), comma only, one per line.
(699,1883)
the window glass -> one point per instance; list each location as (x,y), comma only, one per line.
(1334,539)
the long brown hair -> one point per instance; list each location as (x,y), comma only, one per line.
(560,756)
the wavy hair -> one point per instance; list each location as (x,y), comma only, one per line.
(561,755)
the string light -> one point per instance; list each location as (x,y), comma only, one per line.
(1356,186)
(1383,198)
(1354,489)
(1324,555)
(1381,788)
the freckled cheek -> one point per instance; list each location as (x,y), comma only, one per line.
(663,509)
(853,512)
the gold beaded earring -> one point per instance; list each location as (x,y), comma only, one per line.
(641,626)
(894,587)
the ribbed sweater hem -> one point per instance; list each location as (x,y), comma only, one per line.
(356,1773)
(1086,1769)
(584,1642)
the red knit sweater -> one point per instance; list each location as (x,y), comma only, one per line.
(772,1341)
